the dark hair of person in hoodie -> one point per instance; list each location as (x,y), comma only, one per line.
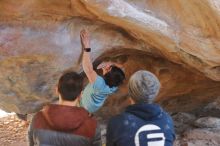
(67,83)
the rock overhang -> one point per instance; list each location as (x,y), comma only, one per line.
(167,34)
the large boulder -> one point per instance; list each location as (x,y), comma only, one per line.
(39,39)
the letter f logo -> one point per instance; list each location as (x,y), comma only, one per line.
(152,138)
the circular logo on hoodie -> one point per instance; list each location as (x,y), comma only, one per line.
(149,134)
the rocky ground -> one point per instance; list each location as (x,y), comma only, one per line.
(198,128)
(13,131)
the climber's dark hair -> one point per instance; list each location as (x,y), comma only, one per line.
(114,77)
(70,86)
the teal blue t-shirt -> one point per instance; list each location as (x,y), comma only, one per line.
(95,94)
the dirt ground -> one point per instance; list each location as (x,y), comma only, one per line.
(13,132)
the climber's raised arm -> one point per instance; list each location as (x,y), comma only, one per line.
(86,60)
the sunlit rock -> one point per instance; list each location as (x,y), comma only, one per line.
(177,40)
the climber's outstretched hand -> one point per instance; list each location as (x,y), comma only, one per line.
(84,36)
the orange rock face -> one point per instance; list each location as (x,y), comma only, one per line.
(177,40)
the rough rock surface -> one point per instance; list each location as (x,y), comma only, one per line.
(208,122)
(39,39)
(197,128)
(13,131)
(183,121)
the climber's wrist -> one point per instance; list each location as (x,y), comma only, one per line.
(87,49)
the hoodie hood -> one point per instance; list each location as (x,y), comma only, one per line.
(145,111)
(64,118)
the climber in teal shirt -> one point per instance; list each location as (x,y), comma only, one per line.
(94,94)
(99,87)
